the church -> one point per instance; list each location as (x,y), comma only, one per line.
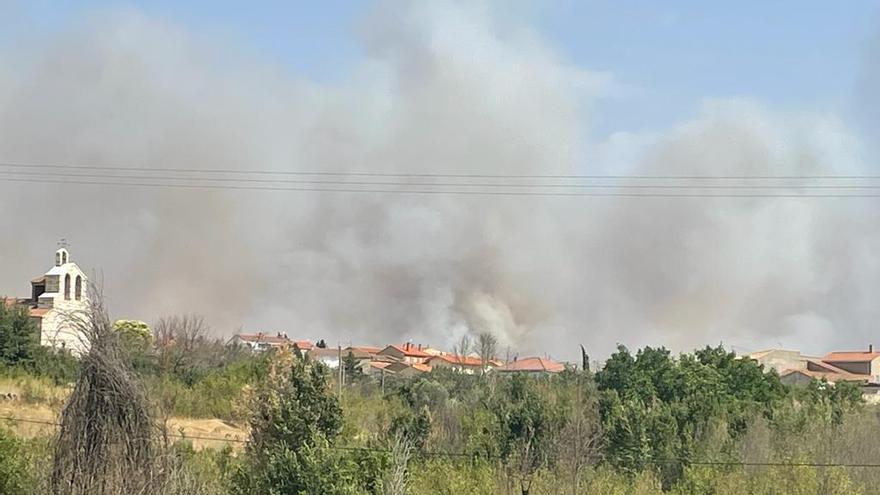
(57,295)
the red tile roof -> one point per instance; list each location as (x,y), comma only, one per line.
(38,312)
(361,352)
(409,350)
(455,359)
(534,364)
(851,356)
(830,376)
(318,352)
(274,339)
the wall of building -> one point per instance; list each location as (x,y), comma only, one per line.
(58,327)
(857,367)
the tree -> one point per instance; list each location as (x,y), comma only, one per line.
(463,348)
(487,345)
(296,423)
(352,367)
(19,338)
(577,442)
(135,336)
(527,425)
(585,360)
(176,340)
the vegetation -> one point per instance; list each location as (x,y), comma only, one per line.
(22,354)
(706,422)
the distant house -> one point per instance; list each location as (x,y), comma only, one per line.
(406,353)
(857,362)
(780,360)
(377,367)
(794,368)
(264,341)
(462,364)
(329,357)
(361,353)
(535,365)
(59,301)
(401,368)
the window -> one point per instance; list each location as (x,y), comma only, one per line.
(63,257)
(67,287)
(78,288)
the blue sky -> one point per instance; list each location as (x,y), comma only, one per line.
(792,54)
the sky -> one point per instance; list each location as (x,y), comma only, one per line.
(788,53)
(407,87)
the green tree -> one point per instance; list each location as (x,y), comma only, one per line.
(19,337)
(351,365)
(294,433)
(17,474)
(528,423)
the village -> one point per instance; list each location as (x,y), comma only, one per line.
(63,289)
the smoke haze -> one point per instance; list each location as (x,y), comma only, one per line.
(441,89)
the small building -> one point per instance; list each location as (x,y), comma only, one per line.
(781,360)
(59,305)
(400,368)
(406,353)
(817,370)
(460,364)
(264,341)
(840,366)
(857,362)
(535,365)
(329,357)
(361,353)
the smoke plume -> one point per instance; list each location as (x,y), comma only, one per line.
(441,89)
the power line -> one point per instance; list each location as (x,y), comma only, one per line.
(439,175)
(495,456)
(436,191)
(515,185)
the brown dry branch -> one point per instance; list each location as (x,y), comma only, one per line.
(106,443)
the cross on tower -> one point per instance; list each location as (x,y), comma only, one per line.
(62,243)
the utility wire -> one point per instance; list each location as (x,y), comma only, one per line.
(492,456)
(515,185)
(436,191)
(436,175)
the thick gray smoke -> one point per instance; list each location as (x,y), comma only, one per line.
(441,90)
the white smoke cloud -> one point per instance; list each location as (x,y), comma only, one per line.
(445,88)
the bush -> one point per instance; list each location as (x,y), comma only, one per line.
(18,465)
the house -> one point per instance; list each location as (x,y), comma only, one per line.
(857,362)
(780,360)
(846,366)
(406,353)
(401,368)
(536,365)
(264,341)
(329,357)
(361,353)
(461,364)
(58,305)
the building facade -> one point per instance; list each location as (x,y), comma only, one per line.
(59,304)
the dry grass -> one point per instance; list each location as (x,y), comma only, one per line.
(185,427)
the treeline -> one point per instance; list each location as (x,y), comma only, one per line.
(705,422)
